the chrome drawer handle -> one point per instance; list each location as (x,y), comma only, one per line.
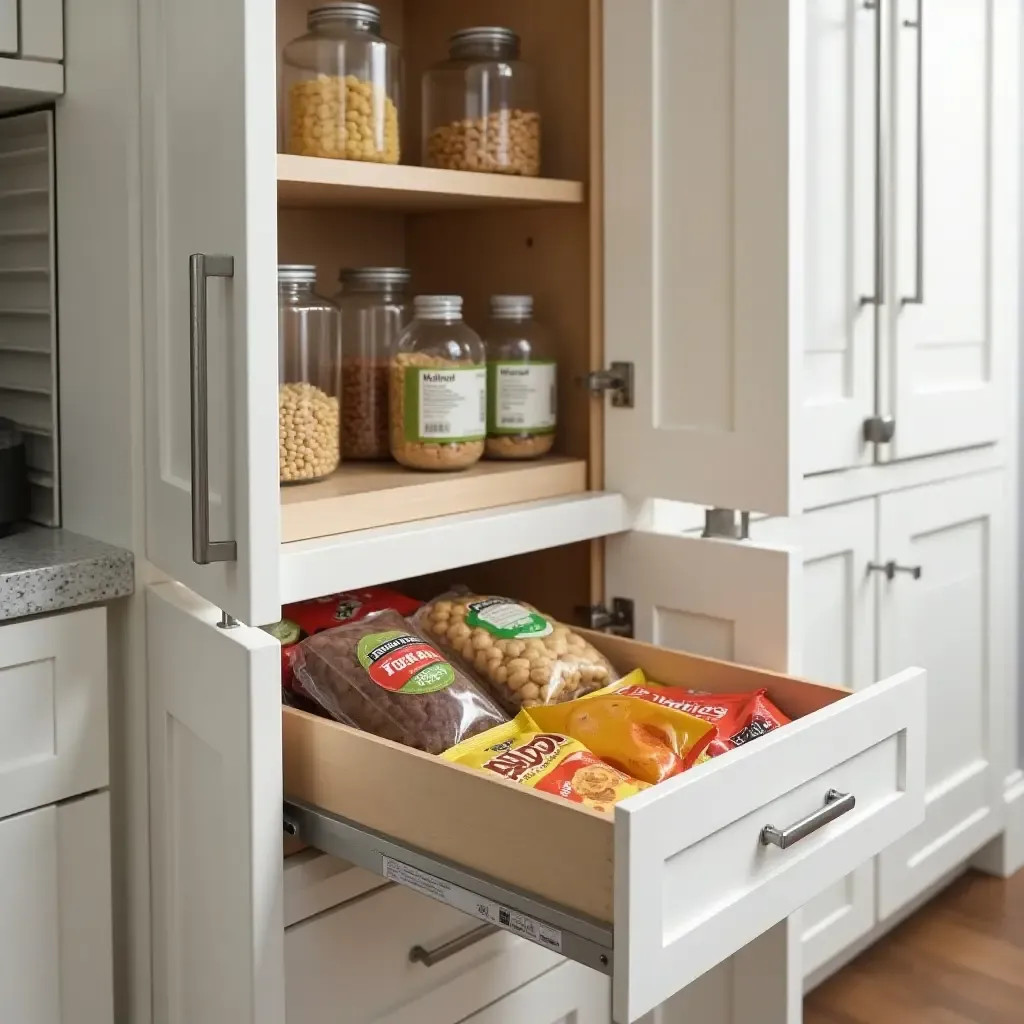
(836,804)
(431,957)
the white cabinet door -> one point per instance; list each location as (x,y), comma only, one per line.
(210,188)
(215,814)
(950,621)
(569,994)
(839,334)
(953,304)
(56,965)
(839,600)
(704,192)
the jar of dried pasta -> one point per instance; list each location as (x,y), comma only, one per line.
(438,406)
(480,110)
(342,83)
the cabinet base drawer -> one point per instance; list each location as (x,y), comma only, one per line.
(680,878)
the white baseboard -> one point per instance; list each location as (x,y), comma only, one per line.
(1004,856)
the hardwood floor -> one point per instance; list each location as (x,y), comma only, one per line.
(958,960)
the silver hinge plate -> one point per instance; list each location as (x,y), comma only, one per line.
(617,380)
(726,524)
(879,429)
(618,620)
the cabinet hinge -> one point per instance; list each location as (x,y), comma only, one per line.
(879,429)
(726,524)
(618,380)
(617,621)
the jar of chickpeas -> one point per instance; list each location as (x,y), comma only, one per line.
(309,378)
(480,110)
(342,83)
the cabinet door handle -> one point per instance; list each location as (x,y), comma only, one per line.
(200,268)
(878,298)
(431,957)
(891,568)
(917,299)
(836,804)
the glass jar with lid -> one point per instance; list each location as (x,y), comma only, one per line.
(342,84)
(521,381)
(438,405)
(309,361)
(374,311)
(480,110)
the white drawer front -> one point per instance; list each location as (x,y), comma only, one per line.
(53,691)
(357,956)
(315,882)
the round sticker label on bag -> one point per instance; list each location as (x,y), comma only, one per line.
(507,620)
(402,663)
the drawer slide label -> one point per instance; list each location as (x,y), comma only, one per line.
(470,903)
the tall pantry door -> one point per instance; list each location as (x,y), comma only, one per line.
(704,221)
(215,815)
(210,238)
(952,314)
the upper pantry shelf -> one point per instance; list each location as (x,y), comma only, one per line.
(314,181)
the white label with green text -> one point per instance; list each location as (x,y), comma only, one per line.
(522,398)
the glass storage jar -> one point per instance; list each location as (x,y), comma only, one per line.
(374,311)
(438,406)
(309,360)
(342,83)
(480,108)
(521,381)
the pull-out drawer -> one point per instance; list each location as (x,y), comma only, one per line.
(682,876)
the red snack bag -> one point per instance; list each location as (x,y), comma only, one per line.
(740,717)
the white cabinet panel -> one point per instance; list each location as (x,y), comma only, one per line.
(569,994)
(949,621)
(9,27)
(42,29)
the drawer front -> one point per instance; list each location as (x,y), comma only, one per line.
(569,994)
(315,882)
(53,691)
(358,956)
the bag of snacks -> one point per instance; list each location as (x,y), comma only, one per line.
(379,676)
(739,717)
(634,727)
(524,658)
(546,761)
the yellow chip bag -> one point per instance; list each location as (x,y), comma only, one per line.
(546,761)
(632,727)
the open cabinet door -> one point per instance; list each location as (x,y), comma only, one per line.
(210,191)
(216,834)
(704,276)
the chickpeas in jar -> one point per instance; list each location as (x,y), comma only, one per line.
(438,389)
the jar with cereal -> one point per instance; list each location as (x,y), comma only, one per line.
(309,361)
(342,83)
(438,407)
(480,110)
(374,311)
(521,381)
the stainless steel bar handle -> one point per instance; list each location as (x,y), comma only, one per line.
(430,957)
(200,268)
(878,298)
(836,805)
(890,569)
(917,299)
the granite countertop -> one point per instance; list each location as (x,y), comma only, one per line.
(43,570)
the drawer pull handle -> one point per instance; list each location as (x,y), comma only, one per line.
(430,957)
(836,804)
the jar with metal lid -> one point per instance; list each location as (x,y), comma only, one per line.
(521,381)
(480,110)
(374,311)
(342,84)
(309,360)
(438,404)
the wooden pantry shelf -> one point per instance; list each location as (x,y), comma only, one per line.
(361,496)
(314,181)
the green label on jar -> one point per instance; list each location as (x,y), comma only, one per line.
(447,404)
(507,620)
(402,663)
(521,398)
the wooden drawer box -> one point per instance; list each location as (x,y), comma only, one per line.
(680,878)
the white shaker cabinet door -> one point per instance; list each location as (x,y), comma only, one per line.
(951,622)
(210,241)
(215,815)
(955,139)
(704,191)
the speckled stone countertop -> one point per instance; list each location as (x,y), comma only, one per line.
(44,570)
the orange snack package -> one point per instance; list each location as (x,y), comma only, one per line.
(633,727)
(546,761)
